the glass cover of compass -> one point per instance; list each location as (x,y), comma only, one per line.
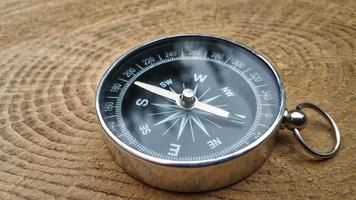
(190,99)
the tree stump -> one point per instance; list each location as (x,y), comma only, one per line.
(53,54)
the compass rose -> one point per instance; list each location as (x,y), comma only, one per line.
(180,109)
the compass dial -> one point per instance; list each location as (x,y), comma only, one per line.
(189,99)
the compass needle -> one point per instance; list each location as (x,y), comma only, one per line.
(157,90)
(220,112)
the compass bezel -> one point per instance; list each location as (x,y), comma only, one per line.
(198,163)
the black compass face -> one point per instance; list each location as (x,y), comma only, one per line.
(189,98)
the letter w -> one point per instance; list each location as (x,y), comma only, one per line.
(200,77)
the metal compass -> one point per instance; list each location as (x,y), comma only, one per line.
(194,112)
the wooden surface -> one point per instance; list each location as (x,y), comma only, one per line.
(54,52)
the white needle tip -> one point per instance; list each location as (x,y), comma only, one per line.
(138,83)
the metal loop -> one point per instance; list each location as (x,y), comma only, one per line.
(314,153)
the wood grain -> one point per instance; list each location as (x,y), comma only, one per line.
(54,52)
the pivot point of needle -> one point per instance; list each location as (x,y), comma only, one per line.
(187,99)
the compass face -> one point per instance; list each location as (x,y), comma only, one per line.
(190,99)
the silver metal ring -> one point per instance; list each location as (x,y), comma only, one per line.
(314,153)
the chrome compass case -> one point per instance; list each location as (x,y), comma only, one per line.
(192,113)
